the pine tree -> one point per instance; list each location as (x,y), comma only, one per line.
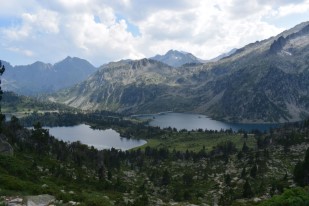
(109,175)
(245,148)
(306,161)
(2,117)
(227,179)
(166,178)
(299,173)
(253,171)
(243,173)
(187,179)
(40,137)
(247,191)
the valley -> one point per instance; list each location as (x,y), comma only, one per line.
(263,82)
(236,131)
(260,82)
(201,167)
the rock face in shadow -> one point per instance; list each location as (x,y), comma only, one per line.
(5,147)
(277,45)
(280,42)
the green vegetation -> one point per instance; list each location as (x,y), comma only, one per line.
(295,196)
(196,140)
(19,105)
(175,166)
(42,164)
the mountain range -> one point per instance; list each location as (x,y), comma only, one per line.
(42,78)
(266,81)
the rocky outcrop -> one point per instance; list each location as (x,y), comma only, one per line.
(280,42)
(40,200)
(277,45)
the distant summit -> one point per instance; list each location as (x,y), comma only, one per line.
(40,78)
(265,81)
(176,58)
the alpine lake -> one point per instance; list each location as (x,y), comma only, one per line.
(109,138)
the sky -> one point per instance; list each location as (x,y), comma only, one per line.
(101,31)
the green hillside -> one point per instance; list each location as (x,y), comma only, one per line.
(210,167)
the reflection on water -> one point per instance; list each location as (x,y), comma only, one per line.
(197,121)
(100,139)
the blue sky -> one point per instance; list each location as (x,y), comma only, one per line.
(102,31)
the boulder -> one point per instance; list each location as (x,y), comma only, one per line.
(14,201)
(40,200)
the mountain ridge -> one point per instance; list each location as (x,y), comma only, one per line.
(40,78)
(251,85)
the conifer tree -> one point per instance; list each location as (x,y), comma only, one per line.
(253,171)
(247,191)
(166,178)
(301,171)
(245,148)
(243,173)
(2,117)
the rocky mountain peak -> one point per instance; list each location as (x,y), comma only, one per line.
(248,85)
(293,35)
(40,64)
(176,58)
(40,77)
(140,63)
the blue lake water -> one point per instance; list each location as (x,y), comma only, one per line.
(100,139)
(196,121)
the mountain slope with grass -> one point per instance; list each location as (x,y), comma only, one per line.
(140,85)
(222,167)
(266,81)
(19,105)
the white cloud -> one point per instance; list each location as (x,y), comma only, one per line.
(12,8)
(293,9)
(33,24)
(207,30)
(25,52)
(100,30)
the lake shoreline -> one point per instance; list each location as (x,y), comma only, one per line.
(244,121)
(191,121)
(100,139)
